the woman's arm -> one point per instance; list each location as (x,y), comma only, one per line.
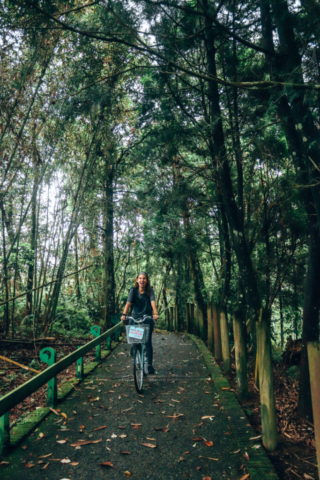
(155,310)
(125,311)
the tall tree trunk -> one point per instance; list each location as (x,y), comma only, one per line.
(78,292)
(196,272)
(5,276)
(220,161)
(109,281)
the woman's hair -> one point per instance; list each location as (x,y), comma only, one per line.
(148,286)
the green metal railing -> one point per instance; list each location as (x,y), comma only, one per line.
(48,355)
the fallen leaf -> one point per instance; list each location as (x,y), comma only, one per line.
(208,443)
(61,441)
(85,442)
(45,456)
(122,436)
(114,435)
(45,466)
(178,415)
(64,415)
(74,464)
(209,458)
(246,456)
(206,478)
(126,453)
(255,438)
(29,465)
(163,429)
(65,460)
(150,445)
(245,476)
(198,468)
(152,439)
(127,474)
(181,459)
(197,439)
(107,464)
(99,428)
(54,411)
(225,388)
(237,451)
(199,424)
(207,416)
(307,477)
(4,464)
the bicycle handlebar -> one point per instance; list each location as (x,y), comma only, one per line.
(137,320)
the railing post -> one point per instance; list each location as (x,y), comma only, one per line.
(188,319)
(4,433)
(267,398)
(240,346)
(96,332)
(48,355)
(108,343)
(192,321)
(79,371)
(314,372)
(225,344)
(171,320)
(216,333)
(210,326)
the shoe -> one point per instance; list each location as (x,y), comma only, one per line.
(150,370)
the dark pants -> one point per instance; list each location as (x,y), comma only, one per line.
(149,349)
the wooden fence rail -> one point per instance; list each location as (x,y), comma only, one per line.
(11,399)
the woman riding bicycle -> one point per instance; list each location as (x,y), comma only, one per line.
(142,300)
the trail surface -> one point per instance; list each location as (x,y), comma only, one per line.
(189,436)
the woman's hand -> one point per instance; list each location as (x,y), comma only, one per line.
(123,317)
(155,316)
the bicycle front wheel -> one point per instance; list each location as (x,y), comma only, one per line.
(138,368)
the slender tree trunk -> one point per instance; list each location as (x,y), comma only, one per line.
(196,272)
(78,291)
(109,281)
(5,277)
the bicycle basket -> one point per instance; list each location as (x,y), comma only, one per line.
(137,333)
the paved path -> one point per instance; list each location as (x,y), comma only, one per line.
(177,399)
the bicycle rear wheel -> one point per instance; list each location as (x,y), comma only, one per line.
(138,368)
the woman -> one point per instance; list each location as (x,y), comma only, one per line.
(142,300)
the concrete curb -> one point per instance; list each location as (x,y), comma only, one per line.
(259,465)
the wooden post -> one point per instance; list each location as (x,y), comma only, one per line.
(167,317)
(210,326)
(171,319)
(4,433)
(79,370)
(192,322)
(188,323)
(48,355)
(108,343)
(267,399)
(196,313)
(202,331)
(225,345)
(216,333)
(177,319)
(96,332)
(314,371)
(241,355)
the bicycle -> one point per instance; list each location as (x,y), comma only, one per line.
(138,336)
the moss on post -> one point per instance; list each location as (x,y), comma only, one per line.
(314,370)
(216,333)
(241,355)
(267,399)
(210,326)
(225,345)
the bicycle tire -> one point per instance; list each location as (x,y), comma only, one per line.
(138,368)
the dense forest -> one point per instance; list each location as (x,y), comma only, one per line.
(179,137)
